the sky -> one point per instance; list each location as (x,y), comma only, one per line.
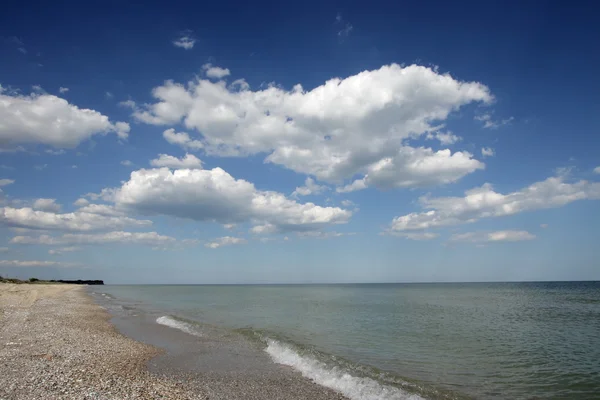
(269,142)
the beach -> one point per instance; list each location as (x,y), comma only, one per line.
(57,343)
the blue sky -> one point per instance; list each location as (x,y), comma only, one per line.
(263,142)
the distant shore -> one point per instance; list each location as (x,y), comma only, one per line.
(56,343)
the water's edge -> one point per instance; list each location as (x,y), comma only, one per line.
(180,337)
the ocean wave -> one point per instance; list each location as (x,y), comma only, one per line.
(353,387)
(176,324)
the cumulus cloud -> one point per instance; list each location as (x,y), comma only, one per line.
(491,237)
(81,202)
(51,120)
(597,170)
(128,104)
(4,182)
(487,152)
(63,89)
(126,163)
(100,209)
(185,41)
(165,160)
(182,139)
(445,139)
(224,241)
(358,184)
(310,188)
(484,202)
(119,237)
(49,205)
(215,72)
(76,221)
(21,263)
(214,195)
(343,128)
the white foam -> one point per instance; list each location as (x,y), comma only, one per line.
(353,387)
(175,324)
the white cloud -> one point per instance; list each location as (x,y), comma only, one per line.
(343,128)
(358,184)
(4,249)
(101,209)
(118,237)
(17,149)
(186,41)
(126,163)
(490,123)
(490,237)
(81,202)
(310,188)
(182,139)
(215,72)
(416,235)
(22,50)
(229,226)
(55,152)
(445,139)
(416,167)
(109,95)
(348,203)
(62,250)
(487,152)
(165,160)
(20,263)
(224,241)
(128,104)
(40,167)
(597,170)
(543,226)
(63,89)
(75,221)
(344,32)
(49,205)
(323,235)
(484,202)
(214,195)
(4,182)
(51,120)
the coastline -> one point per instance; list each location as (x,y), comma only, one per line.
(56,342)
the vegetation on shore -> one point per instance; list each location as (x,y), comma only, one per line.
(52,281)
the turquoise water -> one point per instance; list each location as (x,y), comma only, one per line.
(501,340)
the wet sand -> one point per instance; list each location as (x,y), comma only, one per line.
(57,343)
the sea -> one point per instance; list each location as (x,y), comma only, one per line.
(531,340)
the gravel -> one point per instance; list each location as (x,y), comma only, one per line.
(56,343)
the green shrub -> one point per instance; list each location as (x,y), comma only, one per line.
(33,279)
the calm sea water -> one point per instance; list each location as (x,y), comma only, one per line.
(398,341)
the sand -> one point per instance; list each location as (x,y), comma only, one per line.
(56,343)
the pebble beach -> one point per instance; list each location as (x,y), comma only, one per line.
(57,343)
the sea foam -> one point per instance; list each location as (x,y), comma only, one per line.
(176,324)
(353,387)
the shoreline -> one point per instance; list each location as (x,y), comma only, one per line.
(56,342)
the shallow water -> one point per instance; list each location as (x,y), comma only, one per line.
(399,341)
